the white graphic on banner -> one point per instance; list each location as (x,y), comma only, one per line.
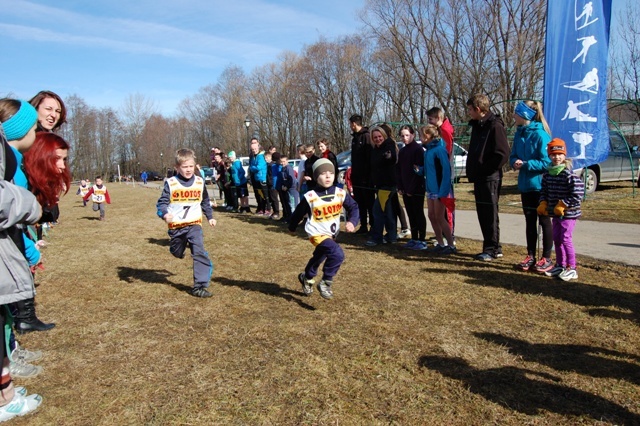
(590,83)
(583,139)
(587,11)
(573,113)
(587,42)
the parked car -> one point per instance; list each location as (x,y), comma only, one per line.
(208,175)
(154,176)
(459,155)
(623,163)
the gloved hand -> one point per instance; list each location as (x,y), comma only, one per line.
(559,209)
(542,209)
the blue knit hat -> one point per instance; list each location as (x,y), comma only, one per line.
(19,124)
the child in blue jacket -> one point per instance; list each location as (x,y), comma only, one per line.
(437,173)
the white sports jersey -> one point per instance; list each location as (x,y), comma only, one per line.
(98,195)
(325,216)
(185,203)
(84,190)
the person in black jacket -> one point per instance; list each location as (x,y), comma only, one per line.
(363,192)
(384,157)
(488,153)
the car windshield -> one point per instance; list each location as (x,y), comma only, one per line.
(344,157)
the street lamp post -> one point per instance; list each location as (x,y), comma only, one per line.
(163,171)
(247,123)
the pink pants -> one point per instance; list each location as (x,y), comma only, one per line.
(562,239)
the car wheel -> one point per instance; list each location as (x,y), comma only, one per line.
(590,179)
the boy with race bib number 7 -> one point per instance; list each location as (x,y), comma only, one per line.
(183,201)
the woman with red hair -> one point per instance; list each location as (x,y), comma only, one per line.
(46,169)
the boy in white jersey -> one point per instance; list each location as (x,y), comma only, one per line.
(83,189)
(99,195)
(323,206)
(183,201)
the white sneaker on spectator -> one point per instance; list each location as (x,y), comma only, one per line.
(19,406)
(23,370)
(25,354)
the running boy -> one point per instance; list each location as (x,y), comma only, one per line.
(83,189)
(323,205)
(183,201)
(99,195)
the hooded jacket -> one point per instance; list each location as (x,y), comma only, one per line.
(530,145)
(17,205)
(488,149)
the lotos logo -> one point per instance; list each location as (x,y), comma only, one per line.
(186,193)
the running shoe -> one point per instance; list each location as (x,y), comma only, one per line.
(527,263)
(568,275)
(543,265)
(324,287)
(410,244)
(404,233)
(448,250)
(420,245)
(485,257)
(555,271)
(307,285)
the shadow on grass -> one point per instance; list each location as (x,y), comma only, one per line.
(91,217)
(151,276)
(597,299)
(269,289)
(527,391)
(586,360)
(164,242)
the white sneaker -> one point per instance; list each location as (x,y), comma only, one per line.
(25,354)
(19,406)
(23,370)
(324,287)
(404,233)
(568,275)
(307,285)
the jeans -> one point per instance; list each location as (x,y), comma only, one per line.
(384,218)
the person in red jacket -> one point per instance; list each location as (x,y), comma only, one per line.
(436,117)
(99,195)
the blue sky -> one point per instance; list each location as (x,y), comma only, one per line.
(104,51)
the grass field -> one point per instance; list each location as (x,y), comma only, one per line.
(409,338)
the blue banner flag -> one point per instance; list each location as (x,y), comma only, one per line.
(575,77)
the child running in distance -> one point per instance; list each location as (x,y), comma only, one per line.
(83,189)
(560,196)
(99,195)
(323,205)
(183,201)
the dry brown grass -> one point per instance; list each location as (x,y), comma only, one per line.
(612,202)
(409,339)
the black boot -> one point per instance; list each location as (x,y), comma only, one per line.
(25,318)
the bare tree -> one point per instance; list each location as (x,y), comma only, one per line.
(135,113)
(444,51)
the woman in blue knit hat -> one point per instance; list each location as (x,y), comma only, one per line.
(529,157)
